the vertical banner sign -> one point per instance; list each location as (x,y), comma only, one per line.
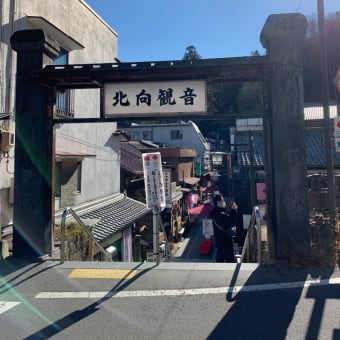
(153,179)
(198,167)
(337,133)
(167,187)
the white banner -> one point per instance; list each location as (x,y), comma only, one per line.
(153,179)
(207,227)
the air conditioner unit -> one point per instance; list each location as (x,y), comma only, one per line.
(7,140)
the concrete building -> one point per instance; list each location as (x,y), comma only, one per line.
(179,135)
(87,155)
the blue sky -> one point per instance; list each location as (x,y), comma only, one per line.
(161,30)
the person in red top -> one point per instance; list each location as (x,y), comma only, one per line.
(224,222)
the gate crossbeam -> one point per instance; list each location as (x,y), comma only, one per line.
(238,69)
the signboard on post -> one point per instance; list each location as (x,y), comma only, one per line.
(337,133)
(153,179)
(170,97)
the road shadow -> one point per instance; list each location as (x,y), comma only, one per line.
(23,269)
(12,264)
(260,312)
(78,315)
(320,297)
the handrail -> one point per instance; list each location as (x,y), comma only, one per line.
(88,232)
(254,225)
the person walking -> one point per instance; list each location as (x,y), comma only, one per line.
(224,228)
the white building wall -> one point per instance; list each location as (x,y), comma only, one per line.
(161,134)
(97,43)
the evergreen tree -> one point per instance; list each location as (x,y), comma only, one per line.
(311,65)
(191,53)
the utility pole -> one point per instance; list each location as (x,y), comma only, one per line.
(325,97)
(251,171)
(155,234)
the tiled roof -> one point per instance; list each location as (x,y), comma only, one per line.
(242,148)
(115,216)
(131,157)
(315,151)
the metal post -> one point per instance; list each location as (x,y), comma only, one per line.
(325,96)
(228,155)
(252,175)
(155,235)
(259,241)
(91,247)
(62,235)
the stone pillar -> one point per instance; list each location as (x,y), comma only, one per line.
(33,191)
(283,37)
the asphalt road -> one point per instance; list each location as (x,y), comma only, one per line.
(42,300)
(189,250)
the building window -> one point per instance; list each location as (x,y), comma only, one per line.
(176,134)
(147,135)
(134,135)
(65,103)
(64,99)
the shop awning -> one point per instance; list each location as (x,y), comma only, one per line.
(191,180)
(60,155)
(202,210)
(186,189)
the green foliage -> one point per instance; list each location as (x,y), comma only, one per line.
(191,53)
(72,231)
(311,63)
(223,97)
(250,97)
(255,53)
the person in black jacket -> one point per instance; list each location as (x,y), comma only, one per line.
(223,223)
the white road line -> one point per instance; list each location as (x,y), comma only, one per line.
(6,305)
(187,292)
